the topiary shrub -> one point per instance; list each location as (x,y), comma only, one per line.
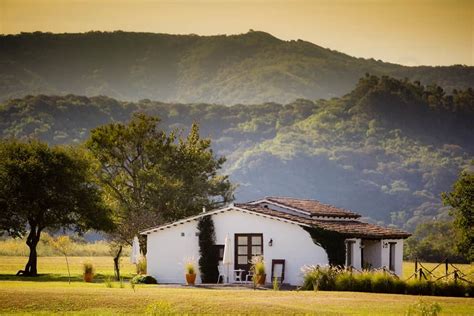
(144,279)
(208,260)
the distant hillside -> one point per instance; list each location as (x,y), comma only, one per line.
(249,68)
(387,149)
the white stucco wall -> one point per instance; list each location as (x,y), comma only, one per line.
(398,255)
(373,252)
(167,249)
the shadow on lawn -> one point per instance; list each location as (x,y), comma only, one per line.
(98,278)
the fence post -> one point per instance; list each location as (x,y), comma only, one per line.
(456,276)
(416,267)
(447,266)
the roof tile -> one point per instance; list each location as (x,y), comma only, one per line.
(314,207)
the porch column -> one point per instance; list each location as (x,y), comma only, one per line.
(355,243)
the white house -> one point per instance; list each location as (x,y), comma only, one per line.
(276,228)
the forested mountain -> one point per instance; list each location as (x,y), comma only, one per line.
(386,149)
(249,68)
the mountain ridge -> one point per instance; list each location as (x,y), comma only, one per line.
(247,68)
(385,150)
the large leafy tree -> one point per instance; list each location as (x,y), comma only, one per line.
(461,200)
(47,188)
(152,176)
(429,243)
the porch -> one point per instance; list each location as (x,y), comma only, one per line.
(374,254)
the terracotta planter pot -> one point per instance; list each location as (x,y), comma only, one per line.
(88,277)
(261,279)
(190,279)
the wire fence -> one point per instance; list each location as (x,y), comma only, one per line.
(451,272)
(421,272)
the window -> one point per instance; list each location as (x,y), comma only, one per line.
(392,256)
(278,269)
(246,247)
(220,251)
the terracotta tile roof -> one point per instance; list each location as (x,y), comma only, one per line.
(349,228)
(314,207)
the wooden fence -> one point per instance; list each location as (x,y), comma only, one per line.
(450,271)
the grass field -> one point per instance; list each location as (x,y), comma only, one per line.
(27,295)
(55,269)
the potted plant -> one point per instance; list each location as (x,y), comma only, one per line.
(258,267)
(88,272)
(190,272)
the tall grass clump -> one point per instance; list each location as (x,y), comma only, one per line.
(422,308)
(419,287)
(346,281)
(159,308)
(328,279)
(382,283)
(141,265)
(108,282)
(363,282)
(319,278)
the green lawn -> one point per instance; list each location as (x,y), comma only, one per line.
(54,268)
(26,296)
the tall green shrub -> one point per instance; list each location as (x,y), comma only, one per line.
(209,259)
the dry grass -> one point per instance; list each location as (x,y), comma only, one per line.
(48,297)
(25,296)
(18,247)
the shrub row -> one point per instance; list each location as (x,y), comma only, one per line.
(332,279)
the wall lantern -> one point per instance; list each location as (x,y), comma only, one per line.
(385,245)
(270,242)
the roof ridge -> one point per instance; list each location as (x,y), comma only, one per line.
(309,200)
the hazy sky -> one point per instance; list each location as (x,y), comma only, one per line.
(406,32)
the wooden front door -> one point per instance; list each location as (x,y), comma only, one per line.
(246,247)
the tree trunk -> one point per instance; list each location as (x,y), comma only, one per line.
(117,264)
(31,268)
(68,271)
(142,243)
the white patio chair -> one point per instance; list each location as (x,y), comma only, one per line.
(238,275)
(249,277)
(221,274)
